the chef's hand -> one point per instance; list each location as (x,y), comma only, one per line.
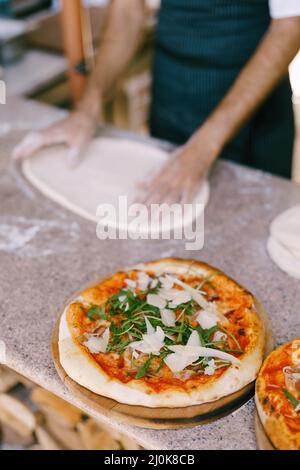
(179,180)
(75,131)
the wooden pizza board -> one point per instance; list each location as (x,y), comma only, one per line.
(262,440)
(161,418)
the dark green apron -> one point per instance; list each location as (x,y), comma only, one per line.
(201,47)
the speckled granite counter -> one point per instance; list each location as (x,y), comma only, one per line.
(47,253)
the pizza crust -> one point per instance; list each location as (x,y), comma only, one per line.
(275,429)
(274,424)
(79,365)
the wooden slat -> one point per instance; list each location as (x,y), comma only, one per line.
(8,379)
(70,439)
(94,438)
(55,408)
(13,438)
(16,415)
(46,441)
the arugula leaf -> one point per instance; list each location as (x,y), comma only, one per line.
(201,336)
(95,312)
(209,331)
(292,399)
(120,347)
(126,311)
(144,369)
(228,350)
(207,279)
(188,307)
(154,290)
(162,356)
(232,337)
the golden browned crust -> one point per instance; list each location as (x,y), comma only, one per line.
(279,434)
(281,423)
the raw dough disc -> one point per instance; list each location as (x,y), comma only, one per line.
(286,229)
(283,258)
(295,253)
(110,168)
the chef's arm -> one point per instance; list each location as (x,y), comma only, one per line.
(120,40)
(269,64)
(262,73)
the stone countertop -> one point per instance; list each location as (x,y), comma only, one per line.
(47,253)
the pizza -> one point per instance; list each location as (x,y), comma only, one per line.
(277,396)
(168,333)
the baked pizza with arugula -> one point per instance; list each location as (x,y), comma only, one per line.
(169,333)
(277,396)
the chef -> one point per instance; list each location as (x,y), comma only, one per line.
(220,87)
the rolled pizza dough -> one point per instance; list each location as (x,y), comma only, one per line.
(284,241)
(283,258)
(110,168)
(286,229)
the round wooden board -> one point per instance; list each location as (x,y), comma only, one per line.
(262,440)
(161,418)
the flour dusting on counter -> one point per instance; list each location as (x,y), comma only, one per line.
(30,238)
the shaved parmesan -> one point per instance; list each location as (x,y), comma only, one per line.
(207,319)
(212,308)
(156,301)
(204,352)
(130,284)
(183,357)
(180,298)
(150,328)
(210,368)
(194,339)
(154,283)
(178,362)
(143,281)
(195,294)
(168,317)
(168,294)
(97,344)
(175,296)
(151,343)
(167,282)
(186,355)
(220,336)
